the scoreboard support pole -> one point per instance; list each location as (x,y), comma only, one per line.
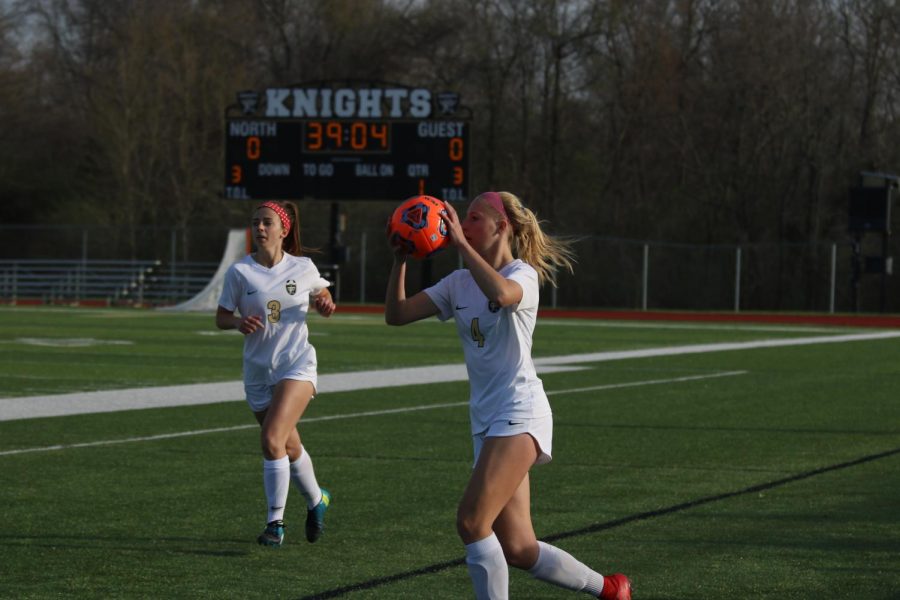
(335,238)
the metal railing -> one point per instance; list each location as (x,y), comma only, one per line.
(171,283)
(105,281)
(113,282)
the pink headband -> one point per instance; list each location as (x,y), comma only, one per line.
(282,214)
(496,202)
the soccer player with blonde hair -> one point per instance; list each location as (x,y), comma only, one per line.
(494,303)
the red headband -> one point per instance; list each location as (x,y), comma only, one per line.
(282,214)
(496,202)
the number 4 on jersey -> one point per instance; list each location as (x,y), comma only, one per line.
(477,336)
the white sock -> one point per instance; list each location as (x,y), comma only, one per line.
(561,568)
(276,480)
(488,569)
(304,477)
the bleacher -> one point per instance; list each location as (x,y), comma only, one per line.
(112,282)
(109,282)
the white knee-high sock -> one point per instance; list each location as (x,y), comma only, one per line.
(488,569)
(276,480)
(304,477)
(561,568)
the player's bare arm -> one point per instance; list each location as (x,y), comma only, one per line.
(497,288)
(398,309)
(324,303)
(226,319)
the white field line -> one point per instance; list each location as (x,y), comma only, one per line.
(721,347)
(78,403)
(696,326)
(210,393)
(370,413)
(615,386)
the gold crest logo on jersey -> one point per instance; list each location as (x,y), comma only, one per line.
(291,286)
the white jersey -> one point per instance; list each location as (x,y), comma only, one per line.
(496,342)
(280,296)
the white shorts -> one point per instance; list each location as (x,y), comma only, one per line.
(541,429)
(259,395)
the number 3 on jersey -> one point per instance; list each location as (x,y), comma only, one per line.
(477,336)
(274,307)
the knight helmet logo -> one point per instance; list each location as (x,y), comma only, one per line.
(249,101)
(448,102)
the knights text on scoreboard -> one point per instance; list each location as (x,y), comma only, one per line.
(346,143)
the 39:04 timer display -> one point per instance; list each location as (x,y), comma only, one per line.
(346,136)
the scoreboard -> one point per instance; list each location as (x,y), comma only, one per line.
(363,145)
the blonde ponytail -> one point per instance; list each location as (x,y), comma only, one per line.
(543,252)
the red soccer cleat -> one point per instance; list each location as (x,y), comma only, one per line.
(616,587)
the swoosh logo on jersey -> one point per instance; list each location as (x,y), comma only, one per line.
(458,307)
(251,292)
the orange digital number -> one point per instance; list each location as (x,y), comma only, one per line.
(380,133)
(457,175)
(358,136)
(421,186)
(314,136)
(237,173)
(334,131)
(456,149)
(253,147)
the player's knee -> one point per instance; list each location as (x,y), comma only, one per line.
(272,445)
(293,450)
(469,527)
(293,453)
(520,553)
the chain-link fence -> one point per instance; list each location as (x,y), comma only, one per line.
(645,275)
(611,273)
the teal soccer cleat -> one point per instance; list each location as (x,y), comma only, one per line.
(273,535)
(315,518)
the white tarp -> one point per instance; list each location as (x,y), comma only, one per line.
(208,298)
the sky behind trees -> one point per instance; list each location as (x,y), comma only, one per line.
(696,121)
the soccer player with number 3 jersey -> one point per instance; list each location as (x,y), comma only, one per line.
(272,290)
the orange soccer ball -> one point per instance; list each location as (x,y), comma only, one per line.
(417,226)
